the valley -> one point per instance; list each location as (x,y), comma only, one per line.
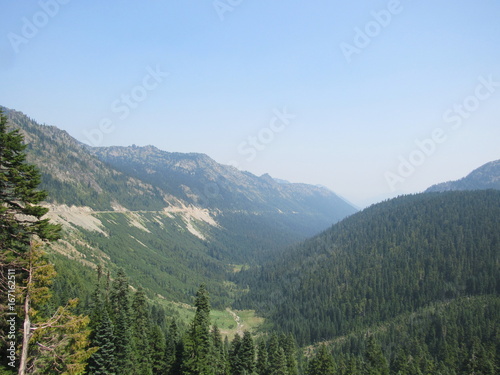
(284,276)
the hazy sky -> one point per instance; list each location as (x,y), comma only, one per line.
(369,98)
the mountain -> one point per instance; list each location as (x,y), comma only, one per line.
(171,220)
(391,259)
(482,178)
(200,181)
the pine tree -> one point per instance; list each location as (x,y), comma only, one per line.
(102,362)
(20,214)
(158,346)
(479,361)
(51,344)
(197,359)
(172,341)
(276,357)
(375,361)
(120,307)
(20,220)
(219,360)
(235,356)
(322,363)
(290,348)
(247,353)
(262,364)
(141,333)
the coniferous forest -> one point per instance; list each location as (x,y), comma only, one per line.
(407,286)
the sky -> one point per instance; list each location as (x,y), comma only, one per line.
(371,99)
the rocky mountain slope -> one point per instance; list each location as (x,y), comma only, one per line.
(482,178)
(171,220)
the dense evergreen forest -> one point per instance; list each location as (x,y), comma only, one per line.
(408,286)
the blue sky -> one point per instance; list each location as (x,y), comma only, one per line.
(371,98)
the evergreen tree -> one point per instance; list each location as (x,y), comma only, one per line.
(276,357)
(120,307)
(20,214)
(197,359)
(322,363)
(235,356)
(219,359)
(172,341)
(479,361)
(290,348)
(20,220)
(158,347)
(262,364)
(375,361)
(102,362)
(141,333)
(247,353)
(56,343)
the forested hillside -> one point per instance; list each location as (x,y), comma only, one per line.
(393,258)
(407,287)
(171,220)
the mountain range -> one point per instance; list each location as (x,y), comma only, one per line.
(418,273)
(171,220)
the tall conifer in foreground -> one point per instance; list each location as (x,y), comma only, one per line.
(61,338)
(141,333)
(322,363)
(197,359)
(120,308)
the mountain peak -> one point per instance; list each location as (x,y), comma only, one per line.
(485,177)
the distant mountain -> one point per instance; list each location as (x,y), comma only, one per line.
(199,180)
(391,259)
(171,220)
(482,178)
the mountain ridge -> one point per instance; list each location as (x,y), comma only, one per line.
(155,208)
(484,177)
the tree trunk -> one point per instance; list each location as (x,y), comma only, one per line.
(26,337)
(23,360)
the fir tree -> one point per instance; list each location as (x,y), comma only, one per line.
(172,340)
(102,362)
(141,333)
(262,364)
(120,307)
(219,359)
(375,361)
(290,348)
(20,214)
(235,356)
(20,220)
(197,349)
(158,347)
(322,363)
(276,357)
(247,353)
